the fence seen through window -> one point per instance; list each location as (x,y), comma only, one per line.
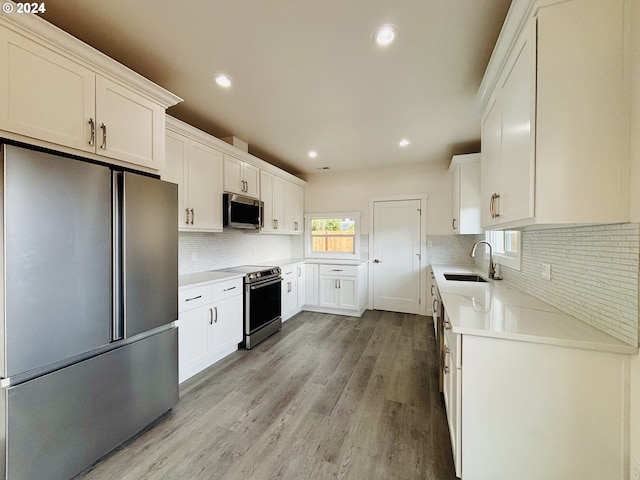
(333,235)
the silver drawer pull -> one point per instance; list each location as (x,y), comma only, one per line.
(336,270)
(194,298)
(230,288)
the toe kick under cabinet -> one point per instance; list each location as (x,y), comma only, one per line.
(209,325)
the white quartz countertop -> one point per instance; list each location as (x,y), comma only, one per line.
(201,278)
(495,309)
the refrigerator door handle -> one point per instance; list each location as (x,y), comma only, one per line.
(117,328)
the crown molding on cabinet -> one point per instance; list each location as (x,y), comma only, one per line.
(187,130)
(37,29)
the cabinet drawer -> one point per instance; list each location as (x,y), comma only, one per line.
(194,297)
(339,270)
(226,289)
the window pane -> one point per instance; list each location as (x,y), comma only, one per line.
(333,235)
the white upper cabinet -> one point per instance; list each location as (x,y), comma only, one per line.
(465,173)
(57,105)
(241,177)
(283,205)
(553,129)
(196,167)
(129,127)
(55,89)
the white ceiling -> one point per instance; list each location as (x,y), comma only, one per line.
(306,73)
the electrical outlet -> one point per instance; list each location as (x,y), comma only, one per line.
(546,271)
(635,469)
(194,256)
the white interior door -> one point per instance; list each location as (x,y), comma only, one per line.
(396,255)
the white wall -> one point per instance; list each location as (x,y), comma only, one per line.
(635,208)
(344,192)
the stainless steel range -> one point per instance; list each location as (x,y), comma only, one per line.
(262,302)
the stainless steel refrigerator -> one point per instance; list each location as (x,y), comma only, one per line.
(89,297)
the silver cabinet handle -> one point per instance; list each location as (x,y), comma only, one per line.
(211,316)
(495,206)
(339,283)
(299,271)
(295,226)
(193,298)
(453,223)
(289,287)
(104,136)
(193,216)
(92,135)
(230,288)
(493,196)
(216,318)
(276,224)
(336,270)
(187,221)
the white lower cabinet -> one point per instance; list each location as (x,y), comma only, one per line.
(452,392)
(209,325)
(311,284)
(302,285)
(289,291)
(529,410)
(334,288)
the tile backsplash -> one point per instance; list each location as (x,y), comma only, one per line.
(594,274)
(210,251)
(451,249)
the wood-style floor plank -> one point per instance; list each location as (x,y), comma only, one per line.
(328,397)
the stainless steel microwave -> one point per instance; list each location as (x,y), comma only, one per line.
(241,212)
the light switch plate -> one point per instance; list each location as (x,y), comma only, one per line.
(546,271)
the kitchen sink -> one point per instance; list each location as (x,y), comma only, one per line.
(464,277)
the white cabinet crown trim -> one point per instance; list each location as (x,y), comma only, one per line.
(41,31)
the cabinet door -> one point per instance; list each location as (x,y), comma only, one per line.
(233,175)
(298,209)
(193,332)
(328,291)
(289,290)
(204,188)
(251,176)
(129,127)
(311,284)
(288,206)
(455,200)
(45,95)
(227,324)
(175,169)
(348,293)
(518,137)
(302,284)
(278,204)
(490,174)
(266,195)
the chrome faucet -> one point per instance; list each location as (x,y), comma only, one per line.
(492,267)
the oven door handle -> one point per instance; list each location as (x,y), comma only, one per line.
(264,284)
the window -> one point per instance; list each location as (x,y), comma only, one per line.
(333,235)
(506,247)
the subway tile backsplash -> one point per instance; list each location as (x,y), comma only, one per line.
(451,249)
(211,251)
(594,274)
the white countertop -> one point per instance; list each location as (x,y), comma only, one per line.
(201,278)
(495,309)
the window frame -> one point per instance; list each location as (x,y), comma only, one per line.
(507,259)
(308,241)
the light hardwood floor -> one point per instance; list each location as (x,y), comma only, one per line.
(328,397)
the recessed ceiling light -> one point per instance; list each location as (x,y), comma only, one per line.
(385,35)
(312,154)
(404,143)
(223,80)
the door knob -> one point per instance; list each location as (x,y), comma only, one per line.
(377,261)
